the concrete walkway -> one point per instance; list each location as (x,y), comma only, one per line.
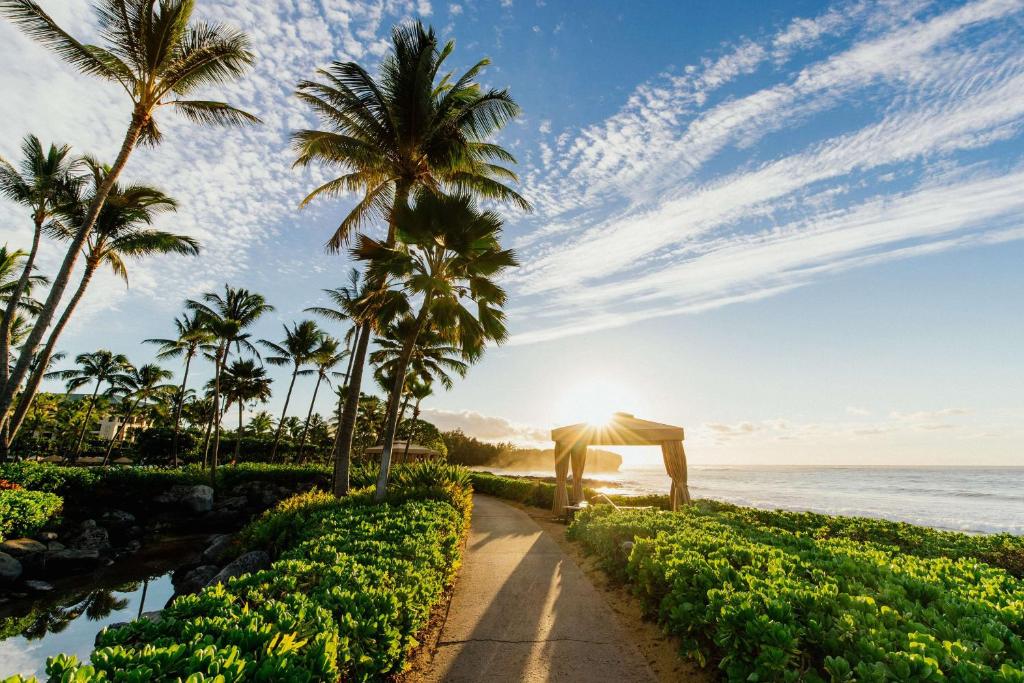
(523,611)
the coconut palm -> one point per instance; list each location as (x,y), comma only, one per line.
(433,357)
(410,128)
(137,387)
(227,317)
(346,310)
(324,360)
(101,367)
(261,424)
(40,183)
(296,349)
(420,388)
(11,272)
(192,337)
(162,59)
(452,254)
(121,233)
(244,381)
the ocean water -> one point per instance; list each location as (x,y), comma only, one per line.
(975,500)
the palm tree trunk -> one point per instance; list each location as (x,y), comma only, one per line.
(346,429)
(217,415)
(397,383)
(238,437)
(408,440)
(206,436)
(43,359)
(5,326)
(401,416)
(85,423)
(120,431)
(177,409)
(309,415)
(140,117)
(284,411)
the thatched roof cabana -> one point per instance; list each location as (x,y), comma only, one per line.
(622,429)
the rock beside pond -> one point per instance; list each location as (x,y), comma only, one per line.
(196,579)
(195,499)
(22,547)
(91,537)
(217,550)
(245,564)
(10,569)
(71,561)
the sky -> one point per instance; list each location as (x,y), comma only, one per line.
(794,228)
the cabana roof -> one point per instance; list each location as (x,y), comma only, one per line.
(623,429)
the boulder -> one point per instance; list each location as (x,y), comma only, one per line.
(196,579)
(195,499)
(22,547)
(10,569)
(71,561)
(120,524)
(215,552)
(91,537)
(232,503)
(54,546)
(245,564)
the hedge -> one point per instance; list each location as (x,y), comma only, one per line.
(352,584)
(768,603)
(541,494)
(23,512)
(1000,550)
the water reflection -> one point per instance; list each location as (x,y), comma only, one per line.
(69,624)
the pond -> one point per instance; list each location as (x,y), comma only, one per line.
(67,619)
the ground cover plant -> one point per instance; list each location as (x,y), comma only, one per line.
(351,585)
(24,512)
(768,603)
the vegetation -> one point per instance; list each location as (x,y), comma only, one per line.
(24,512)
(351,586)
(767,603)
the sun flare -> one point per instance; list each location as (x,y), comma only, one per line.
(594,400)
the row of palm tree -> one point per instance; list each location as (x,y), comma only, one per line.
(162,59)
(414,143)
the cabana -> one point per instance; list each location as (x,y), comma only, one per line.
(622,429)
(403,451)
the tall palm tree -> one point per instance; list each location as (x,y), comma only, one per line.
(408,129)
(244,381)
(324,359)
(137,386)
(102,367)
(11,273)
(161,58)
(192,337)
(346,310)
(227,317)
(296,349)
(121,233)
(452,254)
(420,388)
(433,357)
(42,184)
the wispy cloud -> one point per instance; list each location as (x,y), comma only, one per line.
(635,225)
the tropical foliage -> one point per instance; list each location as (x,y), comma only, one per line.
(24,512)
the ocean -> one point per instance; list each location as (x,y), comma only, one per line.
(974,500)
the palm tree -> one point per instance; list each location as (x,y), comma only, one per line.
(11,272)
(420,388)
(243,381)
(433,357)
(346,299)
(261,424)
(161,58)
(192,337)
(452,254)
(121,232)
(296,349)
(42,184)
(138,387)
(324,359)
(391,136)
(102,367)
(226,317)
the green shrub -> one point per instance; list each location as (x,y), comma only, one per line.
(24,512)
(352,584)
(542,494)
(773,604)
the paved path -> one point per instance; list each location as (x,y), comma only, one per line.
(523,611)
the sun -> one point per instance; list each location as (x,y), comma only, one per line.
(594,400)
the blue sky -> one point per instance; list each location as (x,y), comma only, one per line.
(792,227)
